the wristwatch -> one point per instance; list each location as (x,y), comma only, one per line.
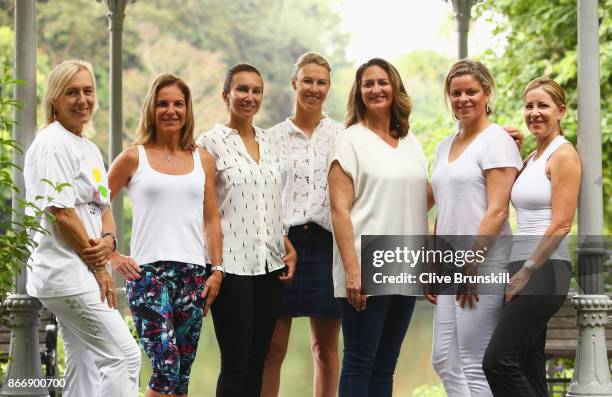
(114,239)
(529,265)
(219,268)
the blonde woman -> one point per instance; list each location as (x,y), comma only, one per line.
(307,138)
(471,183)
(171,184)
(67,269)
(545,196)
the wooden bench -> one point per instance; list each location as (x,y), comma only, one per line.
(47,339)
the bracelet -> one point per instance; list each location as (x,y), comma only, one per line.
(114,239)
(98,270)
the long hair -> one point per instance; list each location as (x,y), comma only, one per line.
(58,80)
(145,132)
(400,108)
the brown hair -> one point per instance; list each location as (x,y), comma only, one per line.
(59,79)
(241,67)
(146,126)
(552,88)
(478,71)
(308,58)
(400,108)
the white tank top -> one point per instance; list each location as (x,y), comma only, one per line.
(168,214)
(532,199)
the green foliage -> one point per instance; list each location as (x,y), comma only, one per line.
(429,391)
(542,40)
(205,37)
(15,241)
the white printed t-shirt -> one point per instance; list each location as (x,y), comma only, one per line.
(390,185)
(460,187)
(61,157)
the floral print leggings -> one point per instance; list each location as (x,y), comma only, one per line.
(167,308)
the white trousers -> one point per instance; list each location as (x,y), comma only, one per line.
(102,358)
(460,339)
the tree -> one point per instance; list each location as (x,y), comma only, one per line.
(541,40)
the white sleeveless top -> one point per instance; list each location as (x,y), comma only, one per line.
(532,198)
(168,214)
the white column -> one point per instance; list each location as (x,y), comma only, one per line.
(591,370)
(23,310)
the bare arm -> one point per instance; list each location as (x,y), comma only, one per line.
(122,170)
(499,185)
(72,230)
(212,225)
(341,196)
(565,172)
(119,175)
(431,200)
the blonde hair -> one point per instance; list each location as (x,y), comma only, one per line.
(478,71)
(308,58)
(400,108)
(145,132)
(552,88)
(59,79)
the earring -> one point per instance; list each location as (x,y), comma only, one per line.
(488,108)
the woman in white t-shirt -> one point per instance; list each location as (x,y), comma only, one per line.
(65,176)
(471,182)
(175,229)
(307,138)
(377,186)
(545,196)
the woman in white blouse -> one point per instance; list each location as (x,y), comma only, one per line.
(307,138)
(257,254)
(378,186)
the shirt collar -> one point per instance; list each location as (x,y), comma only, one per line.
(227,130)
(295,130)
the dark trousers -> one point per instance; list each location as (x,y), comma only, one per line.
(244,315)
(372,342)
(514,361)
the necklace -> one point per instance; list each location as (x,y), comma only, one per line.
(168,157)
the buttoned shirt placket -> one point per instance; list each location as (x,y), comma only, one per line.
(261,202)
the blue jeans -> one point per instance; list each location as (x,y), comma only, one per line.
(372,342)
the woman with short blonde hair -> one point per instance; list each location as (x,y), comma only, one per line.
(307,137)
(67,271)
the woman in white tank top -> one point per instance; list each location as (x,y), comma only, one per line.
(171,184)
(545,196)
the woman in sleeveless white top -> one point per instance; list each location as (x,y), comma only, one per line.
(171,184)
(545,196)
